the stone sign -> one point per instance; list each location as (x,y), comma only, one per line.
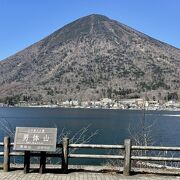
(35,139)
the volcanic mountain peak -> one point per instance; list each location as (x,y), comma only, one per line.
(91,58)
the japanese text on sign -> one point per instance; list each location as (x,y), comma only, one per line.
(35,139)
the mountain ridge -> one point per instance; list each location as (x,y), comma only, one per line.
(165,43)
(91,58)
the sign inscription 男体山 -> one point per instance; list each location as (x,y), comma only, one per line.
(35,139)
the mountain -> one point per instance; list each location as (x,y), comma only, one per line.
(91,58)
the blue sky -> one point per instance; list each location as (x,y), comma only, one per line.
(24,22)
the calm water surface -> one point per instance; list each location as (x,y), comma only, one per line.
(111,124)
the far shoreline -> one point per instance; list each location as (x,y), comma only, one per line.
(91,108)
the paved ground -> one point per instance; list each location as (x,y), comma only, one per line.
(19,175)
(54,172)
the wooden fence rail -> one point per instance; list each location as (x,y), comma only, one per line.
(96,146)
(65,154)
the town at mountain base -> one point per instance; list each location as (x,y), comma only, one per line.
(90,59)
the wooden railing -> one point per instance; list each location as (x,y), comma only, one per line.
(126,149)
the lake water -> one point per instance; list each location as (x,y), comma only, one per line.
(112,125)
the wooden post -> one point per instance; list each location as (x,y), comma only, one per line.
(127,157)
(26,161)
(42,162)
(65,152)
(6,165)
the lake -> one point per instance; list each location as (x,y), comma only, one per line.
(112,125)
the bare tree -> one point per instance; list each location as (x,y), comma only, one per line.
(7,128)
(142,134)
(82,136)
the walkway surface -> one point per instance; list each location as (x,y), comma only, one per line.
(19,175)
